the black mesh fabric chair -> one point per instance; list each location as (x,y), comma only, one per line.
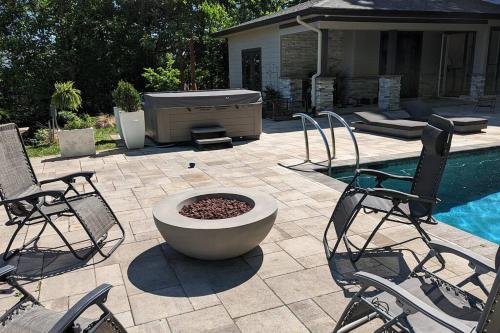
(411,208)
(26,203)
(29,316)
(425,302)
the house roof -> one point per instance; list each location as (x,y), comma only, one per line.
(472,9)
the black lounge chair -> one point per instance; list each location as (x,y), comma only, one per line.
(382,124)
(411,208)
(426,303)
(26,203)
(29,316)
(421,111)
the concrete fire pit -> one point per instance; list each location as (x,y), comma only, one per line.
(215,239)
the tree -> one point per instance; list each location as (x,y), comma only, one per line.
(165,77)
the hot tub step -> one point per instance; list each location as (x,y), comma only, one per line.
(205,130)
(211,143)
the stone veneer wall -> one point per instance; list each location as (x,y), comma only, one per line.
(389,92)
(325,88)
(361,87)
(299,53)
(477,85)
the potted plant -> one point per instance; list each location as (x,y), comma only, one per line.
(77,137)
(131,117)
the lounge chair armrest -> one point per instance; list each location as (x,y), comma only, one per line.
(382,175)
(5,271)
(50,193)
(398,195)
(409,302)
(69,178)
(477,260)
(96,296)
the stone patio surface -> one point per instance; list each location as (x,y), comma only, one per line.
(285,285)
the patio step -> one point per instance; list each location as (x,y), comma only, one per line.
(210,137)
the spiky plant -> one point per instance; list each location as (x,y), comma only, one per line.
(66,97)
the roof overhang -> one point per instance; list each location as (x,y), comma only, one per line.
(353,15)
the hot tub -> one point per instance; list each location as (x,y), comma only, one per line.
(171,115)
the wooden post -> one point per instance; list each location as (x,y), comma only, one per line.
(180,56)
(193,64)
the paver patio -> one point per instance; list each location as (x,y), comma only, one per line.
(285,285)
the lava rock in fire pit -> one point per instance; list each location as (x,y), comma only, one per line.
(215,209)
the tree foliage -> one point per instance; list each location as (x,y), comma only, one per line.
(165,77)
(96,43)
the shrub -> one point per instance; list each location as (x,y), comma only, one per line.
(84,121)
(165,77)
(271,93)
(41,136)
(66,97)
(126,97)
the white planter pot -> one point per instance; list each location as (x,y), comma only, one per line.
(116,111)
(133,128)
(77,142)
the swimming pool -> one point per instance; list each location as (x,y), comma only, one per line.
(469,191)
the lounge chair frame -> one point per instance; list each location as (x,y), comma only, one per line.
(361,309)
(62,204)
(354,198)
(67,322)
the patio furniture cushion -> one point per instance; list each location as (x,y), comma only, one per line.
(465,121)
(369,116)
(434,140)
(382,120)
(400,124)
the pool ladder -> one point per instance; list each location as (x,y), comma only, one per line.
(329,153)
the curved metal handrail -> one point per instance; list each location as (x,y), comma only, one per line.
(331,114)
(305,117)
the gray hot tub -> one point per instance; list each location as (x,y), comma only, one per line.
(170,115)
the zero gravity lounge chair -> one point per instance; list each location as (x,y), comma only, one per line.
(29,316)
(26,203)
(424,302)
(411,208)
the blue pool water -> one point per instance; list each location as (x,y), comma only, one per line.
(469,191)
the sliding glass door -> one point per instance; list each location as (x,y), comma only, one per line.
(493,67)
(457,60)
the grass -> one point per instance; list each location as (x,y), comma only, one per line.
(102,136)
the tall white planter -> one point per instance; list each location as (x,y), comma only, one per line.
(133,128)
(116,111)
(77,142)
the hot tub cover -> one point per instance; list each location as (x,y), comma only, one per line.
(200,98)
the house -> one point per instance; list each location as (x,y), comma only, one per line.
(373,51)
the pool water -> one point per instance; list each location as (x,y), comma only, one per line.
(469,191)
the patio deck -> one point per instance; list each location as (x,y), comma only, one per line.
(285,285)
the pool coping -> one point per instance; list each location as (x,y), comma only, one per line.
(441,230)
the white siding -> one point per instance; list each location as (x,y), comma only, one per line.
(269,41)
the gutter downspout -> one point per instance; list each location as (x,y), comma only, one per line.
(318,70)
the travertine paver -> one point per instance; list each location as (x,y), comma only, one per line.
(285,285)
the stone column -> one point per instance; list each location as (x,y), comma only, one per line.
(389,88)
(325,88)
(477,84)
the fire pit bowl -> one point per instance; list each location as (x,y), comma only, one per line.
(215,239)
